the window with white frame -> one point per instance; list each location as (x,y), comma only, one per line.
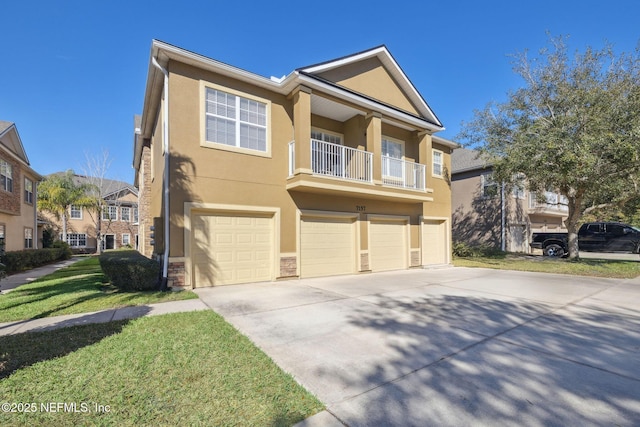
(109,213)
(437,163)
(125,213)
(324,136)
(28,238)
(126,239)
(77,240)
(6,176)
(489,185)
(28,191)
(76,212)
(135,215)
(392,152)
(235,121)
(519,187)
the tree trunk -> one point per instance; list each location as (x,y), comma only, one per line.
(64,226)
(99,234)
(574,205)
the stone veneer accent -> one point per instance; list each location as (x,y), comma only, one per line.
(175,274)
(144,203)
(415,258)
(364,262)
(288,266)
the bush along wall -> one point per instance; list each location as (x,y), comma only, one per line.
(17,261)
(129,270)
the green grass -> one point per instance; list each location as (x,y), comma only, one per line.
(177,369)
(79,288)
(581,267)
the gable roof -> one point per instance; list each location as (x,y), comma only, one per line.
(108,187)
(12,144)
(464,160)
(163,52)
(391,66)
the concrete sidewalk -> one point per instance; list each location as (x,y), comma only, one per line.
(47,323)
(11,282)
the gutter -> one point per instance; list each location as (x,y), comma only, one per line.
(165,182)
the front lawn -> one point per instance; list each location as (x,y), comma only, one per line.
(177,369)
(581,267)
(79,288)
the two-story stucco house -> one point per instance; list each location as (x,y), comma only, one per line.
(18,193)
(332,169)
(118,220)
(485,213)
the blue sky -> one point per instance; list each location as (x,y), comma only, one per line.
(72,73)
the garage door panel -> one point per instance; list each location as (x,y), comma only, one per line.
(327,247)
(232,249)
(388,245)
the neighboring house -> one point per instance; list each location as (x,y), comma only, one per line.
(119,220)
(332,169)
(18,193)
(486,213)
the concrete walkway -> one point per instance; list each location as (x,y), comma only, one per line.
(33,325)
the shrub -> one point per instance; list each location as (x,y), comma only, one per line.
(16,261)
(129,270)
(464,250)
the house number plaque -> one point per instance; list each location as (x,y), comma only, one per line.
(361,208)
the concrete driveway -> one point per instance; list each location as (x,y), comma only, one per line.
(453,346)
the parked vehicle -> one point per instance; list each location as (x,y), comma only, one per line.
(592,237)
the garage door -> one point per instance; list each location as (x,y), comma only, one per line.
(327,246)
(434,242)
(230,249)
(387,245)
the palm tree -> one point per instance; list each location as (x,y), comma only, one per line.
(58,192)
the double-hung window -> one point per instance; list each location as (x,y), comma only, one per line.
(28,238)
(392,164)
(6,176)
(125,214)
(489,185)
(109,213)
(438,164)
(28,191)
(77,240)
(76,212)
(235,121)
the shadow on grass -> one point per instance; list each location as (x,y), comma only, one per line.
(23,350)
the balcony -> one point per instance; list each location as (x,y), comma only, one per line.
(554,203)
(403,174)
(339,170)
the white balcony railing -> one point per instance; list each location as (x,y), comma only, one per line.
(403,174)
(341,162)
(553,202)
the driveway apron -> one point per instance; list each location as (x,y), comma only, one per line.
(452,346)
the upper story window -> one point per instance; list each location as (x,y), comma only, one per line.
(110,213)
(6,176)
(135,215)
(125,213)
(28,191)
(323,136)
(489,185)
(438,163)
(392,152)
(235,121)
(76,212)
(519,187)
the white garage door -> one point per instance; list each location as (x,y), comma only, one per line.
(387,245)
(434,242)
(327,247)
(230,249)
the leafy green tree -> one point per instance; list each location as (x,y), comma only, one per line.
(58,192)
(574,127)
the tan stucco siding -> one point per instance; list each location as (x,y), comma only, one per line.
(370,78)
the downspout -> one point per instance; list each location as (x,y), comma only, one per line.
(503,231)
(165,183)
